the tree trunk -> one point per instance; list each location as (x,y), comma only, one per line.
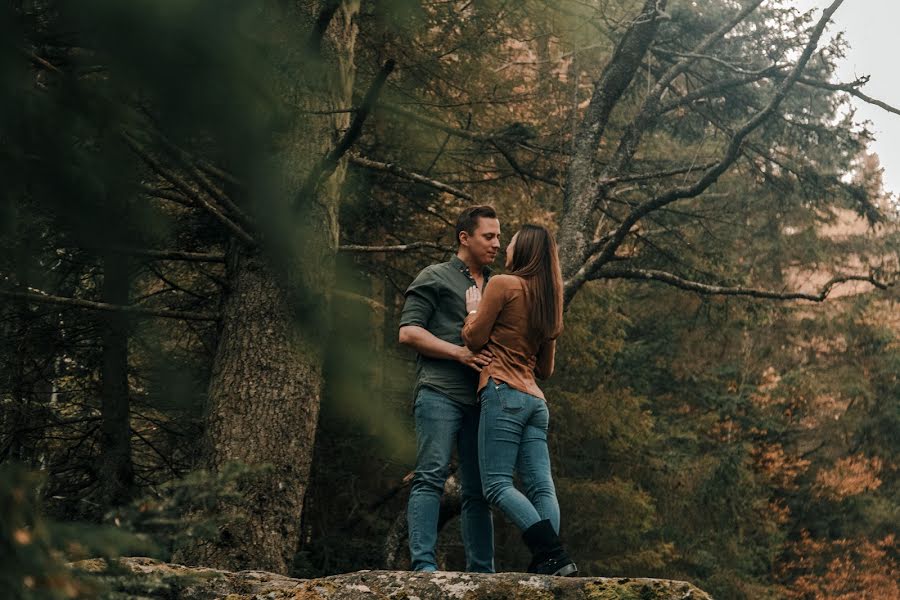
(264,394)
(115,468)
(263,410)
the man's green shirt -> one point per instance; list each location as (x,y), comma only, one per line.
(436,301)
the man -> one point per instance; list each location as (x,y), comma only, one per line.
(446,409)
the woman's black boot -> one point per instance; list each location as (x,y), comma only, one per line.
(548,556)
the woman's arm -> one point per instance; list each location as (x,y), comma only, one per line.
(546,355)
(479,324)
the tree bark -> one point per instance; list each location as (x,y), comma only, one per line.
(576,224)
(263,408)
(264,394)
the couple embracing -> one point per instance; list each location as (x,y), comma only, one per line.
(481,341)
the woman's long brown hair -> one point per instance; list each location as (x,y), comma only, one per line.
(536,260)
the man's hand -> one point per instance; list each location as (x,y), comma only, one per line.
(476,360)
(473,298)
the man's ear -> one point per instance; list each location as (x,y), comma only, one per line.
(463,238)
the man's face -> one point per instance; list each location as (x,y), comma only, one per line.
(484,243)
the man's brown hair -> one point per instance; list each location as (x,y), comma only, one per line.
(536,260)
(468,219)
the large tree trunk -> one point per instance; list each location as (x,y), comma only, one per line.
(263,410)
(264,395)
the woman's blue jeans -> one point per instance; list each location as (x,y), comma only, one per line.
(441,424)
(512,437)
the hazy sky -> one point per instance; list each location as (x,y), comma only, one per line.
(871,28)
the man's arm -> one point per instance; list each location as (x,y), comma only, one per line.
(427,344)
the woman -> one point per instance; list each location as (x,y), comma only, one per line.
(518,320)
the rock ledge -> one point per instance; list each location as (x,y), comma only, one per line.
(146,578)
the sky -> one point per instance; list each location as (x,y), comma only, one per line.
(870,28)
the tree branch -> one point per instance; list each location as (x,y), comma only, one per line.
(733,150)
(398,248)
(441,125)
(190,163)
(851,88)
(658,174)
(593,193)
(714,59)
(716,88)
(186,189)
(42,62)
(330,162)
(373,304)
(612,272)
(404,174)
(170,254)
(133,310)
(168,194)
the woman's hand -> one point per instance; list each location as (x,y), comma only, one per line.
(473,299)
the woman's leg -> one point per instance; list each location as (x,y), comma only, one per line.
(533,467)
(504,414)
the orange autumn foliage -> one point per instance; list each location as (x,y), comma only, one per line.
(849,476)
(843,569)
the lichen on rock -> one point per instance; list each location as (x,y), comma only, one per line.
(145,578)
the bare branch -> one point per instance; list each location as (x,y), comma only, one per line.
(398,248)
(189,163)
(649,110)
(658,174)
(168,254)
(709,57)
(162,456)
(404,174)
(177,255)
(42,62)
(613,272)
(168,194)
(133,310)
(215,171)
(851,88)
(187,190)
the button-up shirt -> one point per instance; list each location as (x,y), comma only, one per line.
(436,301)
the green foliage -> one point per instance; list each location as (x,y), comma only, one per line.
(35,549)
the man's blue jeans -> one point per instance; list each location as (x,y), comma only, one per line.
(442,423)
(512,436)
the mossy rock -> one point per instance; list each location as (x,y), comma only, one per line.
(148,578)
